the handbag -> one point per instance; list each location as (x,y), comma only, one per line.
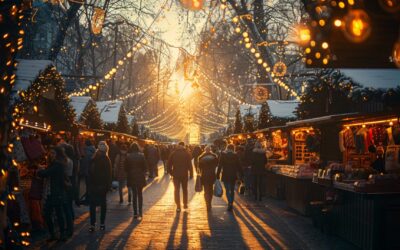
(218,192)
(198,186)
(241,188)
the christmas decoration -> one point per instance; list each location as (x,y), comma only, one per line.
(280,69)
(98,20)
(248,122)
(134,128)
(122,124)
(192,4)
(91,117)
(264,117)
(238,128)
(260,93)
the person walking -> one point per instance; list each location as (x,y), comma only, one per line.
(86,160)
(229,164)
(195,156)
(153,157)
(164,157)
(55,196)
(120,172)
(135,168)
(208,162)
(258,162)
(68,190)
(99,183)
(179,167)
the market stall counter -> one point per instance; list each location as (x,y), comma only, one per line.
(368,220)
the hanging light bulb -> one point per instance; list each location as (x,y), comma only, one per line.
(357,26)
(391,6)
(396,54)
(303,34)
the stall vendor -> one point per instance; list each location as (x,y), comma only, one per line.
(379,163)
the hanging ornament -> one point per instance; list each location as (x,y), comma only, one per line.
(98,20)
(260,94)
(280,69)
(192,4)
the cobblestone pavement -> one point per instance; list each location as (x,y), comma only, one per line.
(265,225)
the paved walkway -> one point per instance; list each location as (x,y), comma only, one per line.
(266,225)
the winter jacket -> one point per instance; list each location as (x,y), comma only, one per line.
(135,168)
(180,164)
(258,161)
(86,160)
(119,166)
(208,163)
(55,174)
(153,155)
(99,178)
(229,164)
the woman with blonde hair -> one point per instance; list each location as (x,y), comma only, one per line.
(99,184)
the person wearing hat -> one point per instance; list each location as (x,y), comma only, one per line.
(99,184)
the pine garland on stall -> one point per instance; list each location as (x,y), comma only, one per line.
(238,128)
(248,123)
(134,128)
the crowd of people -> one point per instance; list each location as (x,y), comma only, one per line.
(87,177)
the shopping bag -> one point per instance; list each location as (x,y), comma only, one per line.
(241,188)
(198,187)
(218,189)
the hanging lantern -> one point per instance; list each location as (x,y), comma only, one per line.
(357,26)
(280,69)
(260,94)
(195,5)
(98,20)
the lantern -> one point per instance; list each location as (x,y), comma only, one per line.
(98,20)
(192,4)
(280,68)
(260,94)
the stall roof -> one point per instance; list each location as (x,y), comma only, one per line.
(27,72)
(374,78)
(320,119)
(109,110)
(79,103)
(278,108)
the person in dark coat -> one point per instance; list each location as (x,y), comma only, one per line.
(195,156)
(55,198)
(229,164)
(135,168)
(99,184)
(258,162)
(120,172)
(179,167)
(208,163)
(86,160)
(164,157)
(153,157)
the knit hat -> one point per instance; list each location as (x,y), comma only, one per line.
(103,146)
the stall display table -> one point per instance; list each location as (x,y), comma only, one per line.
(368,220)
(274,185)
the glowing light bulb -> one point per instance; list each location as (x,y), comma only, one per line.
(357,26)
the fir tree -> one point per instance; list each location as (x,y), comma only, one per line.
(328,92)
(264,118)
(122,124)
(110,126)
(229,130)
(91,117)
(238,123)
(249,122)
(134,128)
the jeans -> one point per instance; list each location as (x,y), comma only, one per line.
(54,204)
(208,193)
(153,170)
(121,185)
(177,184)
(258,186)
(230,191)
(137,193)
(85,179)
(103,211)
(69,211)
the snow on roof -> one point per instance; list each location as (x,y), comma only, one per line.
(374,78)
(28,71)
(280,108)
(277,108)
(79,103)
(109,110)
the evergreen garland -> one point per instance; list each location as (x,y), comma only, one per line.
(248,122)
(238,128)
(134,128)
